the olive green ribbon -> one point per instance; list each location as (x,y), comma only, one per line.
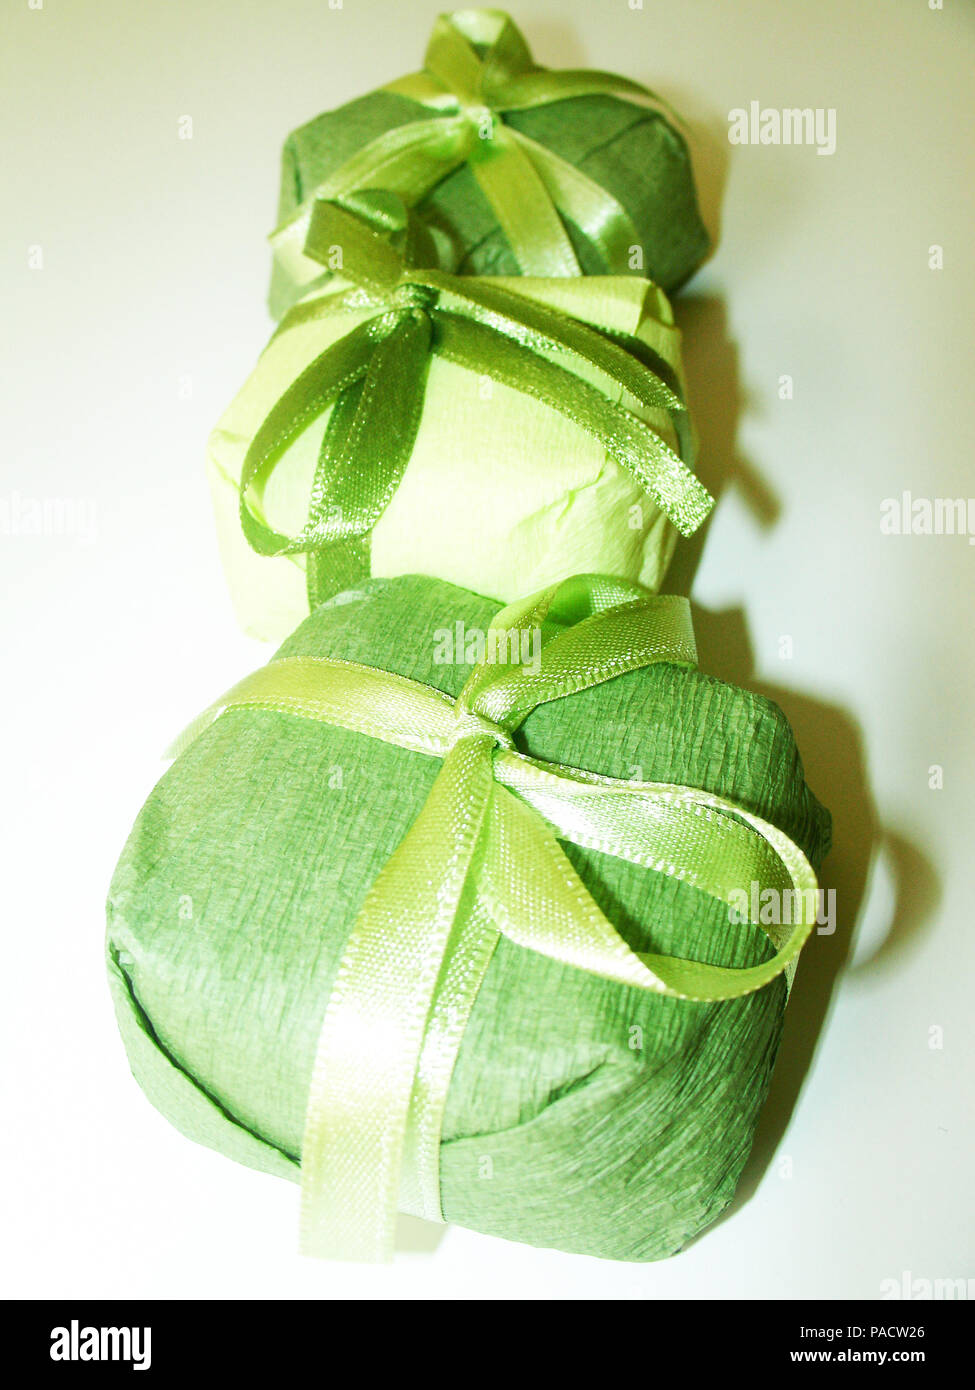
(477,68)
(374,379)
(482,859)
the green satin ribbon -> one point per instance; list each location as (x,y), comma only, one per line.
(477,67)
(482,859)
(375,378)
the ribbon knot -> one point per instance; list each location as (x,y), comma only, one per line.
(469,724)
(483,121)
(412,296)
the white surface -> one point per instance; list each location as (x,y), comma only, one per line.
(154,271)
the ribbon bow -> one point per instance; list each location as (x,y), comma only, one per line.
(376,375)
(481,859)
(477,68)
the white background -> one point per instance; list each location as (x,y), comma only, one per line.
(154,272)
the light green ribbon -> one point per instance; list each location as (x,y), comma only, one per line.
(481,859)
(477,68)
(375,376)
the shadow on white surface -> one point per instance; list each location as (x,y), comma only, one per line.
(706,134)
(828,737)
(417,1237)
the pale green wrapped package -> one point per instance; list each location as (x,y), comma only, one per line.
(502,494)
(581,1114)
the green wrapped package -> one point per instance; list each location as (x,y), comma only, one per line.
(581,1114)
(515,168)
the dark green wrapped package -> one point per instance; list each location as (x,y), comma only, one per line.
(581,1114)
(612,168)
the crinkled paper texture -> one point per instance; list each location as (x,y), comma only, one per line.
(502,495)
(632,151)
(581,1114)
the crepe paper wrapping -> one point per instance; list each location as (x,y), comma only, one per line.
(581,1113)
(363,433)
(517,169)
(371,383)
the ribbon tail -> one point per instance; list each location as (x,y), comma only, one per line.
(551,911)
(363,458)
(342,563)
(603,221)
(520,201)
(545,85)
(661,472)
(468,957)
(372,1034)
